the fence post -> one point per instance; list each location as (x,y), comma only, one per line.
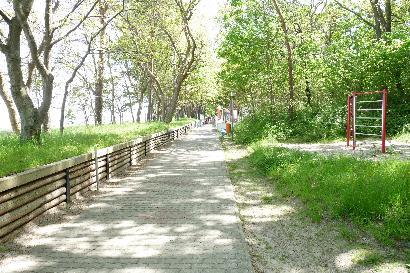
(348,129)
(130,155)
(97,178)
(107,166)
(67,186)
(384,109)
(145,148)
(354,119)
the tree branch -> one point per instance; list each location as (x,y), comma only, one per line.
(30,38)
(3,46)
(358,15)
(5,17)
(76,26)
(173,44)
(153,77)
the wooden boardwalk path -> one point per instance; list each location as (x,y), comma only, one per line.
(176,214)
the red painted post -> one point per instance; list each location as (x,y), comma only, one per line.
(384,110)
(354,119)
(348,130)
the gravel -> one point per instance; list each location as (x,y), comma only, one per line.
(283,239)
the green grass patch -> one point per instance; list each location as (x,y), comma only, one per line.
(373,194)
(368,257)
(16,156)
(268,198)
(405,137)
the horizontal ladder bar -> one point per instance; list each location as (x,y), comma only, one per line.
(367,93)
(368,118)
(363,134)
(369,110)
(369,126)
(369,101)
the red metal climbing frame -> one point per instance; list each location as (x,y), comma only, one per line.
(365,115)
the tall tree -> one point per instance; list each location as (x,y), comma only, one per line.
(291,81)
(99,87)
(31,117)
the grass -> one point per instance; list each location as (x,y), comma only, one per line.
(375,195)
(405,137)
(16,156)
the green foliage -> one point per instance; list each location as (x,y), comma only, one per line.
(368,257)
(308,125)
(16,156)
(334,54)
(375,195)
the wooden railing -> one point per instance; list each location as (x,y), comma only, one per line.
(26,195)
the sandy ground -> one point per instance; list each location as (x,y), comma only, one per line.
(364,149)
(283,239)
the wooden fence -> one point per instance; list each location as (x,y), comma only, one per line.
(26,195)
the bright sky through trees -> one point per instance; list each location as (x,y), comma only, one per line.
(206,17)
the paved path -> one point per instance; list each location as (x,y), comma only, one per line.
(177,214)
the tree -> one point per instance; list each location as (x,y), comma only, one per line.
(31,117)
(103,7)
(166,51)
(291,81)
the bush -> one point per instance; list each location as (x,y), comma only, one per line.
(308,125)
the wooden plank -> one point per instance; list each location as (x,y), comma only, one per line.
(12,193)
(5,230)
(28,176)
(121,168)
(119,155)
(118,166)
(83,185)
(11,216)
(30,196)
(80,180)
(80,166)
(86,169)
(117,162)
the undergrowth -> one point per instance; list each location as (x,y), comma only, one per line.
(373,194)
(306,126)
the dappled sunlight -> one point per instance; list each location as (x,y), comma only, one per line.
(282,235)
(176,212)
(218,219)
(15,264)
(266,213)
(347,260)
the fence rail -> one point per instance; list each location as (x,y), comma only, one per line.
(26,195)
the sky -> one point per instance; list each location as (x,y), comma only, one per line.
(207,13)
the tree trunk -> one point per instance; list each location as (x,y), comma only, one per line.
(112,108)
(29,116)
(100,71)
(46,124)
(291,81)
(11,108)
(308,93)
(150,90)
(130,104)
(140,103)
